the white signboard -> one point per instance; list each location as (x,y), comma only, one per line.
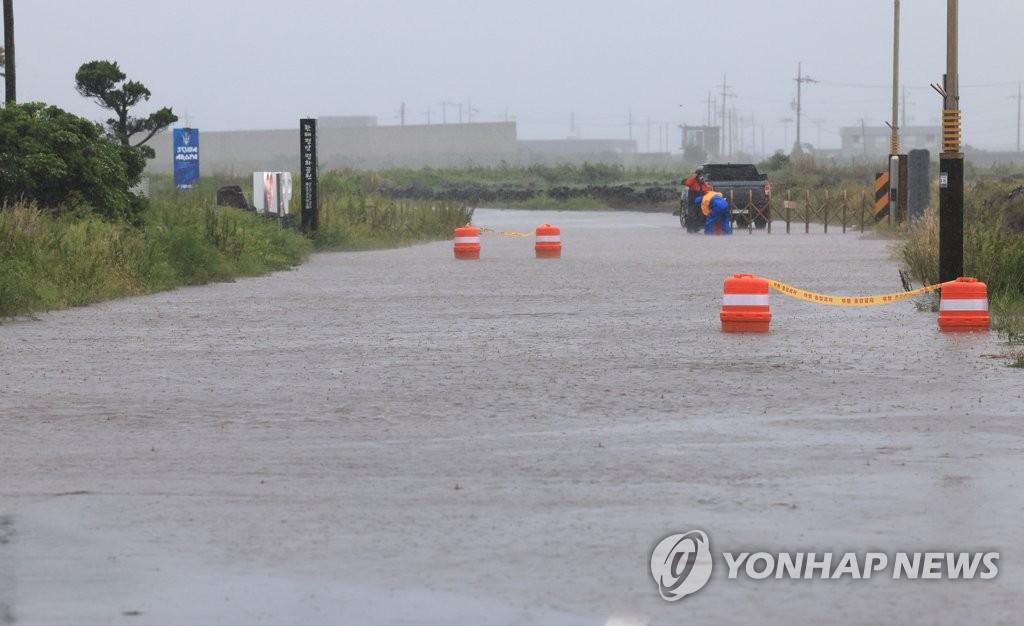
(272,192)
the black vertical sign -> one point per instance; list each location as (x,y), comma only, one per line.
(308,174)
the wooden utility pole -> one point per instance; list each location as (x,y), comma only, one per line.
(723,145)
(894,141)
(10,93)
(896,181)
(951,161)
(800,80)
(1018,117)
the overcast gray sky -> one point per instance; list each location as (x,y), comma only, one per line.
(260,64)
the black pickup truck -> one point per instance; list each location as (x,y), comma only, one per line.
(748,191)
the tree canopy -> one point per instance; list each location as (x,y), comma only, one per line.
(104,82)
(55,159)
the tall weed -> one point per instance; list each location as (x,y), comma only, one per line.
(49,262)
(993,241)
(352,219)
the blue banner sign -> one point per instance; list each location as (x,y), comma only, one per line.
(186,157)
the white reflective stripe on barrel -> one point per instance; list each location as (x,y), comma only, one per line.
(745,299)
(953,304)
(549,238)
(467,240)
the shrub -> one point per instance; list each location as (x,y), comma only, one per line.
(58,161)
(993,243)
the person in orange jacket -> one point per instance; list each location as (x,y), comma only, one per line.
(697,184)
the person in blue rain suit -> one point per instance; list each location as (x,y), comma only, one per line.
(716,208)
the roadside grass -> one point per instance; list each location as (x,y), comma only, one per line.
(70,257)
(49,263)
(1007,314)
(194,242)
(352,219)
(993,253)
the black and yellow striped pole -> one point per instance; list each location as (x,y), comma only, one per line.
(881,207)
(951,162)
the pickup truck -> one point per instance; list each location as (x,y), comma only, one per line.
(748,191)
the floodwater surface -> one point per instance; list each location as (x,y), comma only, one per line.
(399,437)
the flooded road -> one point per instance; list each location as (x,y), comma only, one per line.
(398,437)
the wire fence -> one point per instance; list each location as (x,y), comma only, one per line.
(825,208)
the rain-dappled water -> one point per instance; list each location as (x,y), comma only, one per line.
(400,437)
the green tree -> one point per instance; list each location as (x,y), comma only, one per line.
(61,161)
(104,82)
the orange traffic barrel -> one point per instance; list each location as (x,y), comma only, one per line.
(467,242)
(745,305)
(549,242)
(963,305)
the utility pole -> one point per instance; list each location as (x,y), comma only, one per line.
(10,95)
(785,129)
(864,137)
(819,123)
(895,182)
(682,134)
(903,108)
(732,131)
(725,94)
(1018,117)
(951,160)
(894,139)
(800,80)
(444,111)
(753,135)
(725,86)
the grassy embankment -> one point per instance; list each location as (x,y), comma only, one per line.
(58,259)
(993,253)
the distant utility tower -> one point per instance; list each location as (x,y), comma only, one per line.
(800,80)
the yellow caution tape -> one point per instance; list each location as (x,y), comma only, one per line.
(509,233)
(847,300)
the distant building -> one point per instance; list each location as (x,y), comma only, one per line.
(873,142)
(702,138)
(577,146)
(347,121)
(348,142)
